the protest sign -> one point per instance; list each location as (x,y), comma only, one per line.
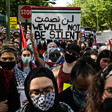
(104,36)
(13,23)
(56,22)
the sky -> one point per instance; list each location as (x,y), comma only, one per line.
(62,3)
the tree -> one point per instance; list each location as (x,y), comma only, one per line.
(93,10)
(14,5)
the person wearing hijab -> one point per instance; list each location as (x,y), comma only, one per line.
(42,93)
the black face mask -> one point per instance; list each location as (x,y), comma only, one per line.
(70,58)
(107,105)
(7,65)
(54,58)
(82,48)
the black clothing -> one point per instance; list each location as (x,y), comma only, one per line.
(67,97)
(13,99)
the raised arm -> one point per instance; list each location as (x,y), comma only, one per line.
(38,59)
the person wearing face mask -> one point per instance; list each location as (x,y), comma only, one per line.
(62,72)
(42,93)
(54,58)
(94,46)
(46,53)
(99,98)
(22,69)
(81,76)
(104,58)
(9,97)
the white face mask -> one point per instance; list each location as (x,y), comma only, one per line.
(44,102)
(26,59)
(94,47)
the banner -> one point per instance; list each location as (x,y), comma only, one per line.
(56,22)
(104,36)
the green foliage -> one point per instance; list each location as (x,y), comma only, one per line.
(14,5)
(91,10)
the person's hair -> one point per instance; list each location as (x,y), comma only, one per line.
(94,53)
(73,48)
(87,53)
(8,48)
(15,33)
(26,49)
(85,66)
(95,92)
(104,54)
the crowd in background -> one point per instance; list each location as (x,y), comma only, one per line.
(55,75)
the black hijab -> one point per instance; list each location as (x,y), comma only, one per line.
(40,72)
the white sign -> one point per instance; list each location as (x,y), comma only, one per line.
(104,36)
(55,23)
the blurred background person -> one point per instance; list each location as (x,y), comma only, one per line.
(104,58)
(99,98)
(82,75)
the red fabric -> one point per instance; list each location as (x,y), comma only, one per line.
(23,40)
(34,50)
(33,65)
(6,76)
(62,78)
(49,63)
(110,43)
(94,43)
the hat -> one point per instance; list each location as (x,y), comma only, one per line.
(73,48)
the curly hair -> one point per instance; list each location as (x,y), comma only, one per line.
(95,92)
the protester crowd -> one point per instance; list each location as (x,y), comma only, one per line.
(39,75)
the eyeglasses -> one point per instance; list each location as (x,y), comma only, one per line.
(38,92)
(28,55)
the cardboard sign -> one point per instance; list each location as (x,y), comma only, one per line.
(13,23)
(56,22)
